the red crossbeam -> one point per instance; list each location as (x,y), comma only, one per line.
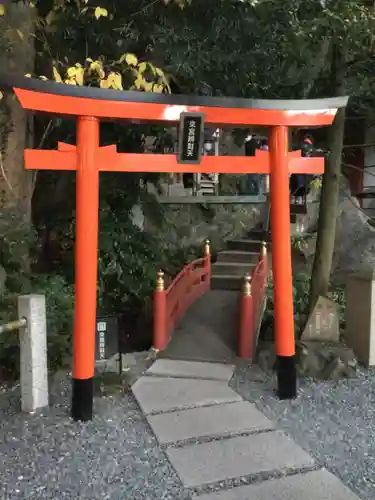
(108,160)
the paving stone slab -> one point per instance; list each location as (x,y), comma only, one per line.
(208,421)
(317,485)
(156,394)
(200,464)
(176,368)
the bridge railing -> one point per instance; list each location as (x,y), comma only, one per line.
(171,303)
(252,304)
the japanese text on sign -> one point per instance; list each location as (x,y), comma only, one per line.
(191,138)
(102,328)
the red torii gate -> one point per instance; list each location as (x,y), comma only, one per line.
(89,105)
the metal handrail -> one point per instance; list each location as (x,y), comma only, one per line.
(13,325)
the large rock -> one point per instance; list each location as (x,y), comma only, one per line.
(319,360)
(355,237)
(326,361)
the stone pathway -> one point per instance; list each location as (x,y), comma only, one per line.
(221,446)
(207,332)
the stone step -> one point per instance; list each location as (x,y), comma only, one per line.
(201,464)
(314,485)
(244,245)
(217,420)
(232,268)
(259,235)
(238,256)
(226,282)
(158,394)
(191,369)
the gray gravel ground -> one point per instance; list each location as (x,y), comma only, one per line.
(334,421)
(114,457)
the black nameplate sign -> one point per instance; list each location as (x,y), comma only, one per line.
(191,135)
(107,338)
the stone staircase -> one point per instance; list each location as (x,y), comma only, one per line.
(240,257)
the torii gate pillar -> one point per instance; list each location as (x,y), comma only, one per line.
(88,105)
(282,263)
(86,255)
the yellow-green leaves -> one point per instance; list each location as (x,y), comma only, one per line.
(113,81)
(127,72)
(316,183)
(56,75)
(130,59)
(96,68)
(100,12)
(147,77)
(75,75)
(142,67)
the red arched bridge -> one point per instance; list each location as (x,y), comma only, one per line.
(172,302)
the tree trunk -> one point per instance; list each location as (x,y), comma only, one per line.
(330,195)
(16,183)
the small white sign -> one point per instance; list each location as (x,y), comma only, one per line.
(102,326)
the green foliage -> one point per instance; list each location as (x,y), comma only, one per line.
(301,283)
(16,239)
(128,261)
(18,246)
(59,304)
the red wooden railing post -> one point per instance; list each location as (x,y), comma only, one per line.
(160,333)
(245,341)
(207,254)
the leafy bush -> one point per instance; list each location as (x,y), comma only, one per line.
(59,304)
(128,261)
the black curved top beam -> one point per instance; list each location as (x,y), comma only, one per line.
(10,81)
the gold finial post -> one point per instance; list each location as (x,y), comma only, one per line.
(207,249)
(263,250)
(246,287)
(160,281)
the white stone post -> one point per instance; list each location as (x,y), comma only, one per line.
(33,350)
(360,316)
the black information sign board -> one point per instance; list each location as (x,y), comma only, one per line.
(190,142)
(107,338)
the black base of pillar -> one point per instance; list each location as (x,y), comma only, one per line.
(82,399)
(286,377)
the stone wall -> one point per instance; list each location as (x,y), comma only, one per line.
(191,224)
